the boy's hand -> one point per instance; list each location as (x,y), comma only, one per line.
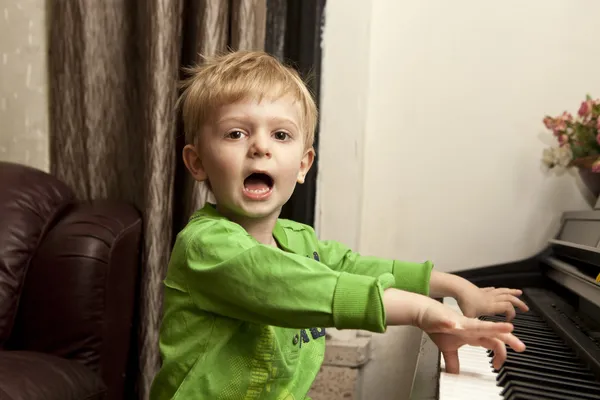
(449,330)
(449,344)
(475,302)
(472,300)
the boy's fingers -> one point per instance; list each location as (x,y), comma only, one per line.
(513,292)
(475,327)
(520,304)
(497,346)
(498,330)
(451,361)
(514,342)
(505,308)
(515,301)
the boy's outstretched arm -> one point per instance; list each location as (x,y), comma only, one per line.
(474,301)
(421,278)
(409,276)
(220,269)
(448,329)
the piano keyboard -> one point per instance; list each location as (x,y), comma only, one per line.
(476,379)
(548,369)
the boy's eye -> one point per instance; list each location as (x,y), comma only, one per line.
(281,135)
(235,135)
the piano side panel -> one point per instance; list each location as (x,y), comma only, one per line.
(427,372)
(389,375)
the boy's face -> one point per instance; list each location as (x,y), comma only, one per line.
(253,154)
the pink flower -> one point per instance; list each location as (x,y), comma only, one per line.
(596,166)
(559,127)
(563,139)
(566,117)
(598,125)
(585,109)
(549,122)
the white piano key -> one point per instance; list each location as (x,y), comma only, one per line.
(475,379)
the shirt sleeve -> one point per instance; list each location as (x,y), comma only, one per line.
(408,276)
(230,274)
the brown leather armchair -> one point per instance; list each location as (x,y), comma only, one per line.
(68,278)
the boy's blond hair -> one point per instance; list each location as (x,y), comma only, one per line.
(236,76)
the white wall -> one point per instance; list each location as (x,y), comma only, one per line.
(344,87)
(431,135)
(431,131)
(23,83)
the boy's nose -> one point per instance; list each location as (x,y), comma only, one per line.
(260,148)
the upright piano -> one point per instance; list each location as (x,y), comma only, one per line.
(561,331)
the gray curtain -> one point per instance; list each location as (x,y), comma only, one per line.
(113,72)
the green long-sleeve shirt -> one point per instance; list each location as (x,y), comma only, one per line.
(246,321)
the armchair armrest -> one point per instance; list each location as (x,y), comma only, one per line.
(32,376)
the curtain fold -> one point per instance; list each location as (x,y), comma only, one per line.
(157,37)
(301,34)
(276,24)
(113,72)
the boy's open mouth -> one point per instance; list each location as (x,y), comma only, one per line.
(258,183)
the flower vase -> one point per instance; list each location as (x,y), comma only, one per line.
(591,180)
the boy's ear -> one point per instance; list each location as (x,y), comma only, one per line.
(305,164)
(193,163)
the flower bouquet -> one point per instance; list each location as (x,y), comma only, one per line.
(578,138)
(578,143)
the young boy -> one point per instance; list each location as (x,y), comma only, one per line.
(248,295)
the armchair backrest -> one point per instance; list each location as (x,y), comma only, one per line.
(74,268)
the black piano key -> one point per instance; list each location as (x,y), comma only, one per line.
(565,365)
(548,367)
(531,314)
(521,318)
(522,393)
(525,396)
(528,336)
(548,391)
(538,344)
(533,323)
(567,356)
(580,386)
(538,375)
(536,333)
(560,353)
(521,315)
(541,344)
(525,322)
